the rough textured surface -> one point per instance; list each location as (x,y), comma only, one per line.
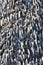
(21,32)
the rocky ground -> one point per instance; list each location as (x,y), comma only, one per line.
(21,32)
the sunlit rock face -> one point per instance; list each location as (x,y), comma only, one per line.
(21,32)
